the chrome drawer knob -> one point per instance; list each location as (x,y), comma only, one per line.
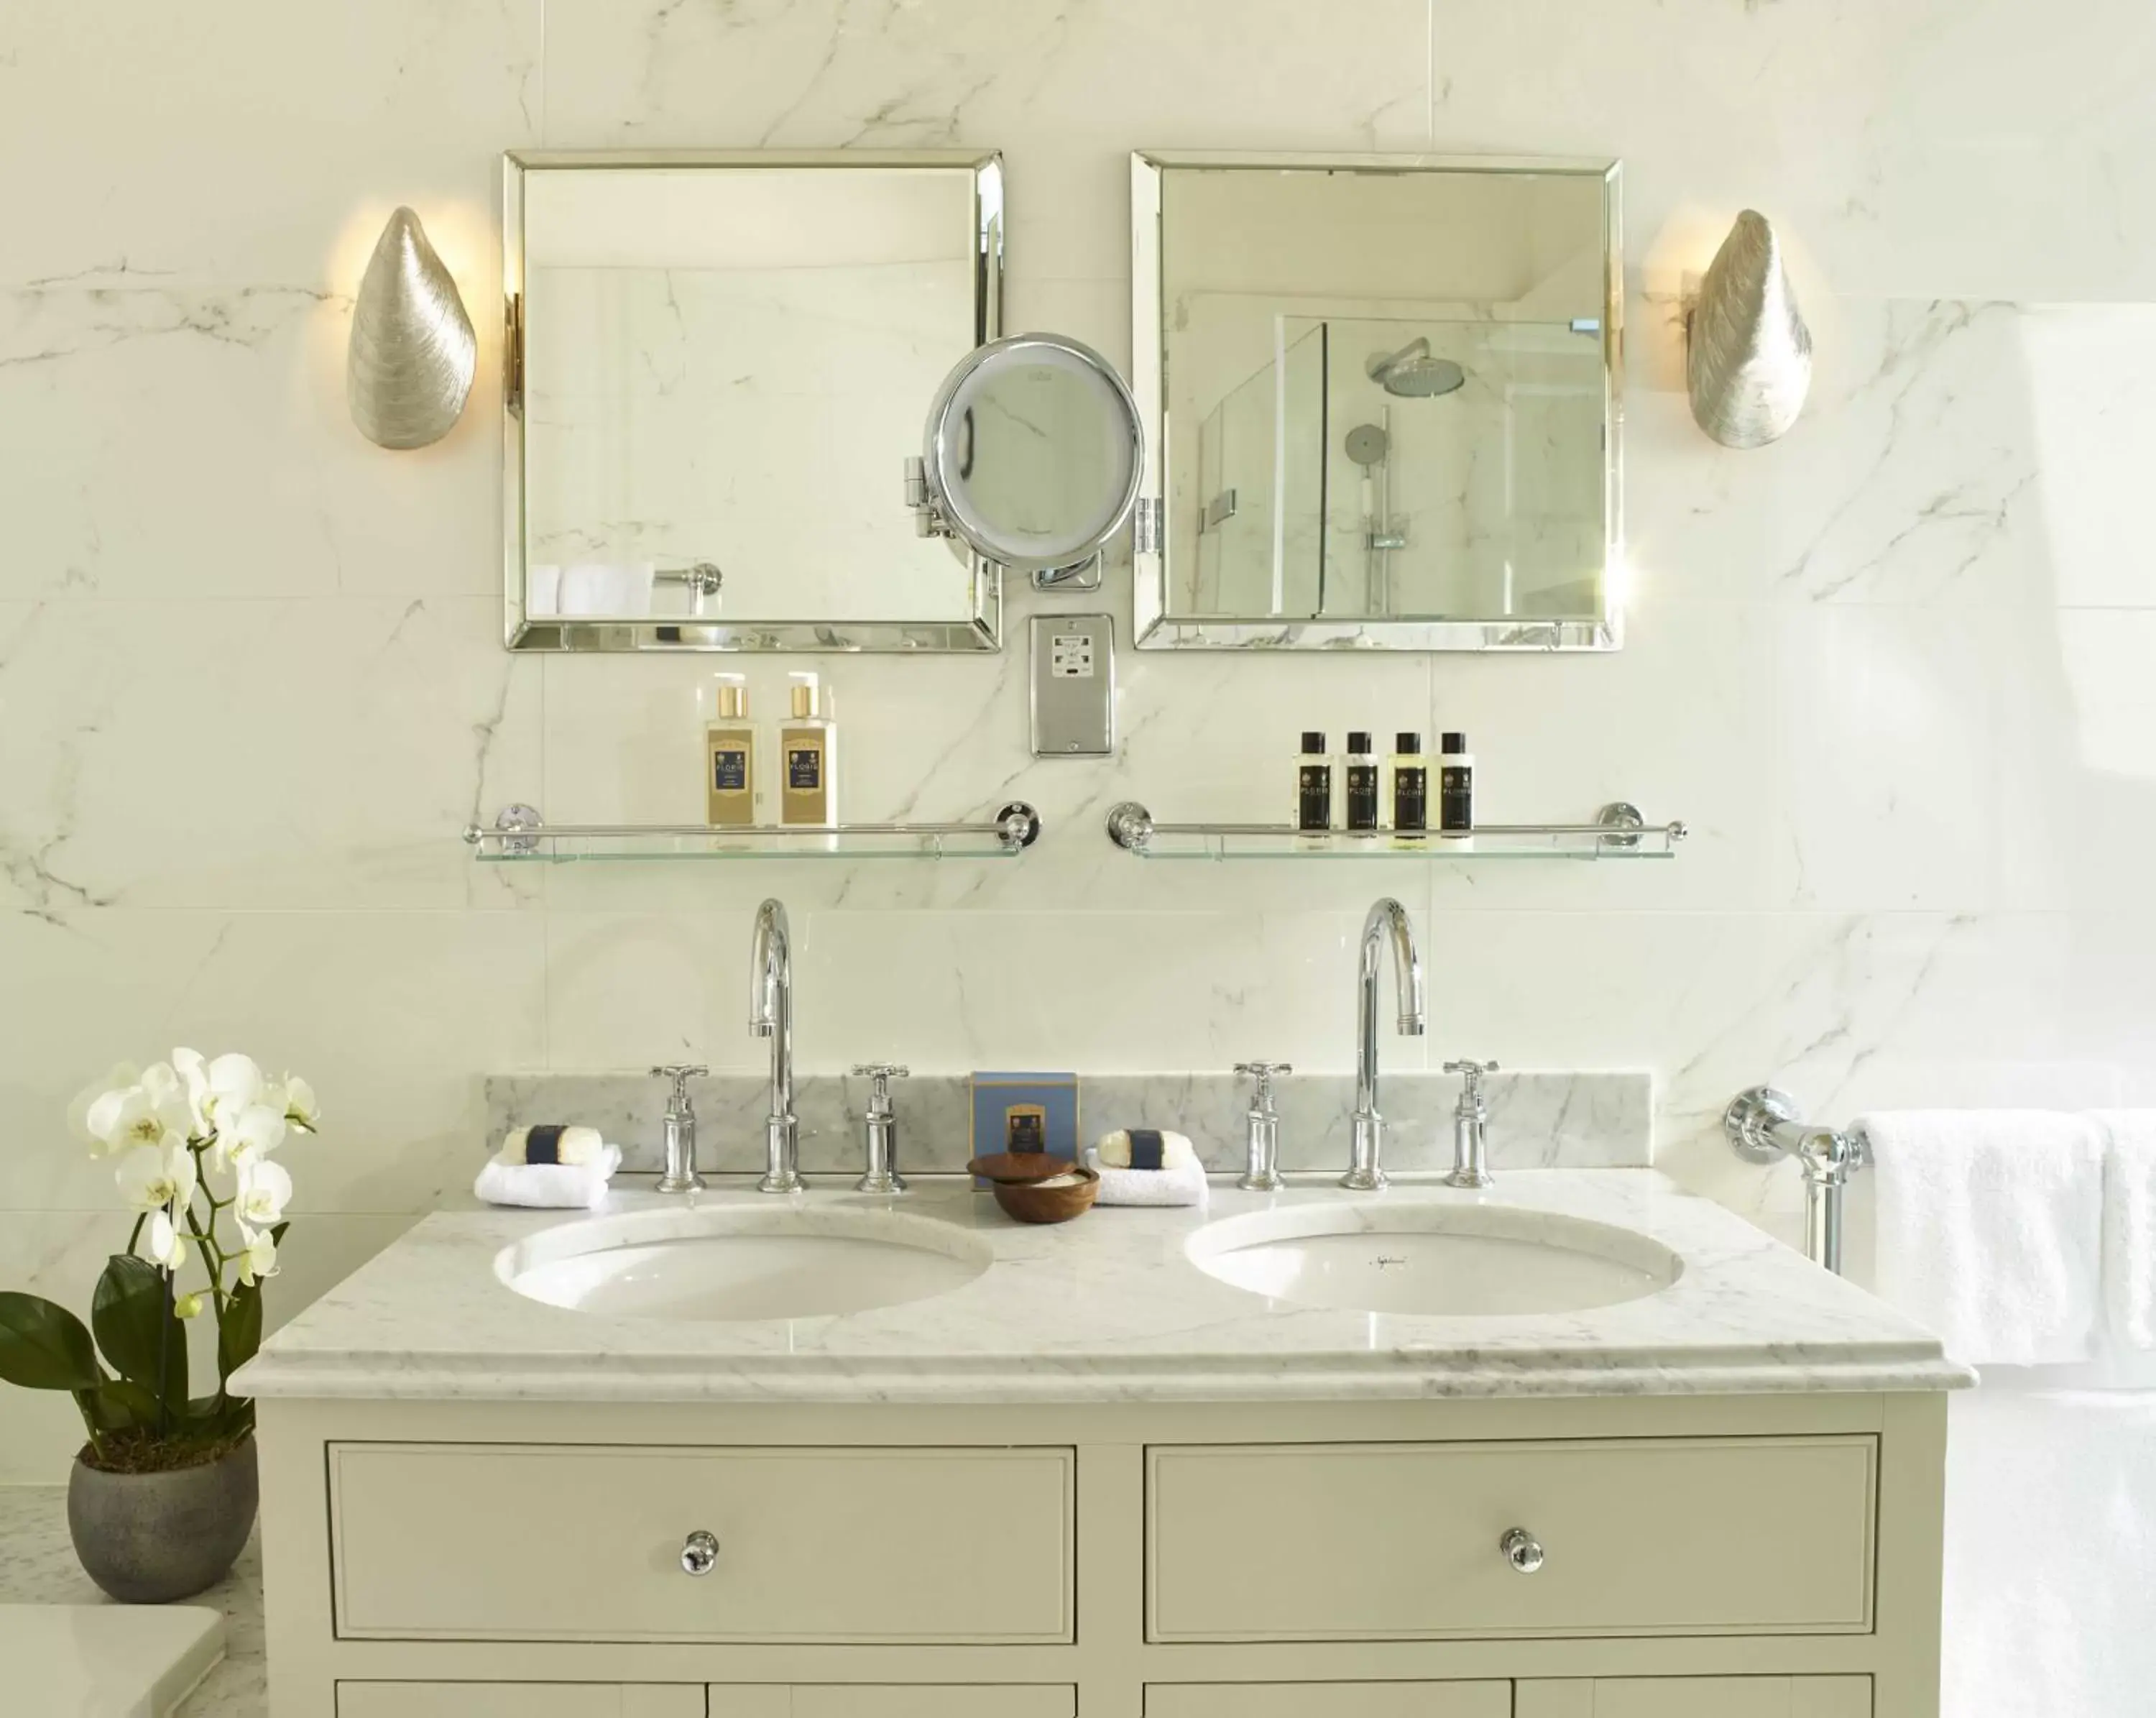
(1522,1550)
(699,1553)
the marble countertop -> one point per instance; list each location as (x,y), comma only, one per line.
(38,1566)
(1109,1309)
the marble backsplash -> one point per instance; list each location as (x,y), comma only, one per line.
(1537,1120)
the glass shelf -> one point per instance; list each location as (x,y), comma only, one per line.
(1619,833)
(520,836)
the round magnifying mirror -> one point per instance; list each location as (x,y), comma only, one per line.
(1033,452)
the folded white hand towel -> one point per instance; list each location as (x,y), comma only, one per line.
(2129,1225)
(1989,1224)
(1176,1150)
(569,1145)
(565,1187)
(1128,1186)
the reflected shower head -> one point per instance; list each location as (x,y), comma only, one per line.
(1368,445)
(1412,374)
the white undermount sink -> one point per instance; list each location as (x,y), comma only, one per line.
(1452,1259)
(738,1261)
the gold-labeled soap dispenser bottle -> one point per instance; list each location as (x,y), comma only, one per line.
(808,760)
(729,755)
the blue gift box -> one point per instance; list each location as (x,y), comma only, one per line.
(1026,1112)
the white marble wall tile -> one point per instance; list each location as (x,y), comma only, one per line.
(1094,991)
(1986,151)
(624,988)
(241,145)
(263,755)
(390,1015)
(1925,760)
(1917,473)
(194,442)
(845,73)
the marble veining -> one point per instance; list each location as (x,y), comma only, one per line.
(1110,1309)
(1536,1120)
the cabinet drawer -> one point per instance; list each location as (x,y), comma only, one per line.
(520,1699)
(1401,1541)
(518,1542)
(1699,1697)
(833,1700)
(1333,1700)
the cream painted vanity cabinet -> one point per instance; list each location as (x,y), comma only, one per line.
(1094,1482)
(1722,1557)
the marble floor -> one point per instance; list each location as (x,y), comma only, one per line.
(37,1566)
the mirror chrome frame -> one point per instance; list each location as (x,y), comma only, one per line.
(942,517)
(1154,629)
(979,630)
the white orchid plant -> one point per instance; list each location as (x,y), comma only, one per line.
(192,1141)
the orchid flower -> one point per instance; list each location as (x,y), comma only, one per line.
(258,1259)
(299,1106)
(151,1177)
(160,1242)
(193,1073)
(235,1082)
(246,1136)
(123,1075)
(133,1116)
(263,1189)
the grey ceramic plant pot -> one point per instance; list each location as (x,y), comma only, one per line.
(150,1538)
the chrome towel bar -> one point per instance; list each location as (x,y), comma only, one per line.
(1763,1126)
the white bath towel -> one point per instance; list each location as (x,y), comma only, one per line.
(2129,1226)
(1990,1227)
(565,1186)
(2051,1554)
(1128,1186)
(574,1146)
(602,588)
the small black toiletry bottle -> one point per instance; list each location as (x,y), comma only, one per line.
(1361,786)
(1313,785)
(1411,787)
(1456,788)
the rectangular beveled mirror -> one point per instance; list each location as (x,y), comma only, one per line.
(719,364)
(1383,399)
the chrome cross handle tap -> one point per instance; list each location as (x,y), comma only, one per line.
(1469,1118)
(680,1175)
(880,1129)
(1261,1168)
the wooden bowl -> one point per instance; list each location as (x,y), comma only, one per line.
(1068,1194)
(1016,1168)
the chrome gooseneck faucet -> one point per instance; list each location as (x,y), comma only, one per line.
(1365,1174)
(771,1015)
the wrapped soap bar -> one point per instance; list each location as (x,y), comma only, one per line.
(1146,1148)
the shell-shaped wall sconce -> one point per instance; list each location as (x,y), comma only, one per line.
(1748,365)
(410,369)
